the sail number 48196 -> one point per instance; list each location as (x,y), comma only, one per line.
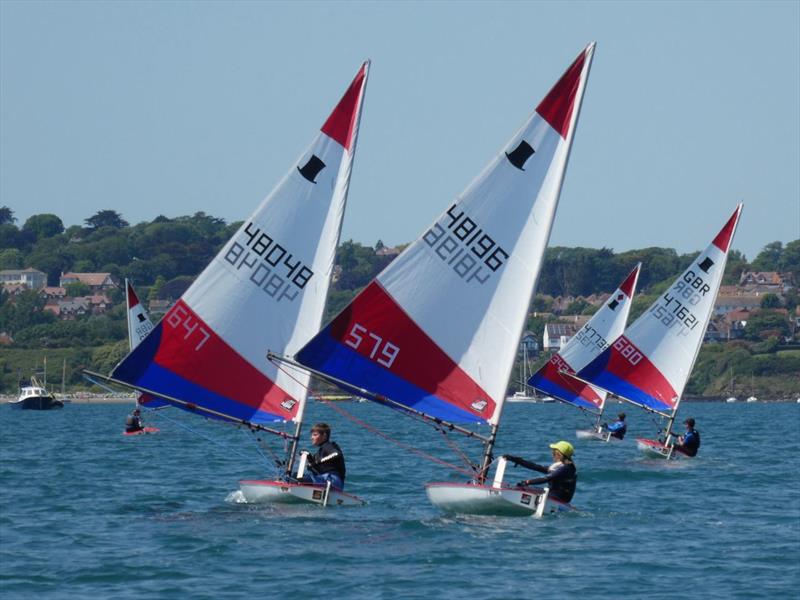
(382,351)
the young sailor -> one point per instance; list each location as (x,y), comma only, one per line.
(561,476)
(618,428)
(327,464)
(133,422)
(689,443)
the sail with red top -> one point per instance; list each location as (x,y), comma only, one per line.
(650,363)
(590,340)
(265,290)
(437,330)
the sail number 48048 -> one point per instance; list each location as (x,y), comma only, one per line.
(382,351)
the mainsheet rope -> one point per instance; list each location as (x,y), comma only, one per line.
(388,438)
(275,463)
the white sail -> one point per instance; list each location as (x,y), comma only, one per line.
(265,290)
(650,363)
(437,330)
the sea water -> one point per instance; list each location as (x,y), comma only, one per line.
(86,512)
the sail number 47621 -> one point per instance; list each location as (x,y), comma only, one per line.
(381,351)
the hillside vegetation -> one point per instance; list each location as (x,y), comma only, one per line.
(162,258)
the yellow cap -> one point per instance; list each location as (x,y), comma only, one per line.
(564,447)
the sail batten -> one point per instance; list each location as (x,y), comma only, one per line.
(437,330)
(265,290)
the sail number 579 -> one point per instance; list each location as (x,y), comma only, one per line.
(381,351)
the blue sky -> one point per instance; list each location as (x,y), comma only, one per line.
(170,108)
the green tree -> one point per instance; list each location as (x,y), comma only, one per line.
(541,303)
(11,258)
(576,307)
(156,288)
(769,258)
(7,216)
(43,226)
(25,310)
(766,323)
(77,289)
(106,218)
(10,236)
(50,255)
(736,265)
(770,301)
(790,261)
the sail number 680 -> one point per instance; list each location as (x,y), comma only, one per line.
(383,352)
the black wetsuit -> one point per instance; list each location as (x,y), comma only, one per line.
(329,458)
(561,477)
(133,423)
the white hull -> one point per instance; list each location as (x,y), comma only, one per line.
(521,398)
(654,449)
(593,434)
(282,492)
(731,399)
(474,499)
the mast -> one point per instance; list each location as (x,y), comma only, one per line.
(582,80)
(274,272)
(437,333)
(300,415)
(131,344)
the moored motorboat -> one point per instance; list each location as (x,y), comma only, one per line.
(35,397)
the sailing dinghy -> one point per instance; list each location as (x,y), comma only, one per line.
(265,289)
(435,334)
(139,325)
(650,363)
(554,378)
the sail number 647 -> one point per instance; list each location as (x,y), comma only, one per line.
(382,351)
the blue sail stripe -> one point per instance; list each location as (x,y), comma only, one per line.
(328,356)
(555,390)
(620,387)
(158,378)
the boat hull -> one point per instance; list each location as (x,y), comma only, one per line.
(656,449)
(283,492)
(143,431)
(593,434)
(37,403)
(487,500)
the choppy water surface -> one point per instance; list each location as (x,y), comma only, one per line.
(88,513)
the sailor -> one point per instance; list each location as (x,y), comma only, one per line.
(133,422)
(561,476)
(327,464)
(688,443)
(618,428)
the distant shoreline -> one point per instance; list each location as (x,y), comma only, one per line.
(84,399)
(131,399)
